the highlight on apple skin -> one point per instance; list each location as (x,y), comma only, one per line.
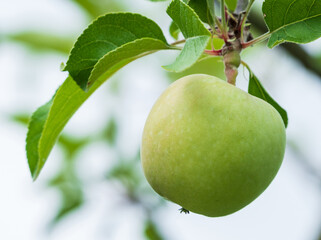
(211,147)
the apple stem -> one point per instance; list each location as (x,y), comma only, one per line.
(232,60)
(231,74)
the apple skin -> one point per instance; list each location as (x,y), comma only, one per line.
(211,147)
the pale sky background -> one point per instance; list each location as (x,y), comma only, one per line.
(289,209)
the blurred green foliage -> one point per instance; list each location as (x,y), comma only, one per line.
(151,231)
(70,189)
(39,41)
(95,8)
(110,132)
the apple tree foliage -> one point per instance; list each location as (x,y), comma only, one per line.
(116,39)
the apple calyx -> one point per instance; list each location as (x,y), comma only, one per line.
(183,210)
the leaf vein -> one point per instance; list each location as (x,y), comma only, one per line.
(310,8)
(301,20)
(287,11)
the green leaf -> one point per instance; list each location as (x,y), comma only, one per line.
(201,8)
(297,21)
(49,120)
(208,65)
(231,4)
(192,51)
(124,55)
(211,8)
(36,126)
(256,89)
(186,19)
(104,35)
(174,30)
(195,33)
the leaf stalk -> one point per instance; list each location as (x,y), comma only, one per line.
(256,40)
(247,11)
(246,65)
(178,42)
(214,52)
(223,19)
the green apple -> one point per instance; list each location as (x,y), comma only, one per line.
(211,147)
